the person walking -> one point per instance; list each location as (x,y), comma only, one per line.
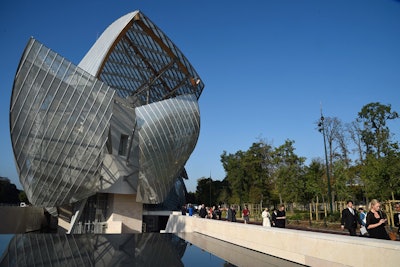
(245,214)
(376,221)
(266,218)
(349,218)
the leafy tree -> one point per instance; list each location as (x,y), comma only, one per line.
(343,183)
(8,192)
(375,133)
(191,197)
(233,166)
(379,171)
(315,185)
(204,190)
(289,173)
(249,173)
(22,197)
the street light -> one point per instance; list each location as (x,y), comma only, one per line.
(321,128)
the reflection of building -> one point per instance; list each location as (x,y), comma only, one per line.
(117,128)
(148,249)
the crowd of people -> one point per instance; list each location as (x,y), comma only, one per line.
(372,223)
(277,219)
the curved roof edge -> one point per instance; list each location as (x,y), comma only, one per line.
(93,59)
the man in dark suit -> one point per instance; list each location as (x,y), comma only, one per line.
(396,216)
(350,218)
(280,217)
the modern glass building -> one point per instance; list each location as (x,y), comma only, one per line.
(124,121)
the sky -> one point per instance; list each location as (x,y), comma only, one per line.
(268,66)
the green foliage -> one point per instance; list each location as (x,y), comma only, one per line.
(315,182)
(298,215)
(380,168)
(249,173)
(342,181)
(290,179)
(375,133)
(8,192)
(277,174)
(333,217)
(211,192)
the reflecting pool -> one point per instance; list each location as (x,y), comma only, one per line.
(147,249)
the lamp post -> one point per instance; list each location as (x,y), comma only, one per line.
(210,188)
(321,128)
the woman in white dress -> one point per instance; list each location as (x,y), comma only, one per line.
(266,218)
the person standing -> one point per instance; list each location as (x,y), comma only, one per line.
(363,221)
(191,210)
(233,214)
(396,217)
(246,214)
(274,215)
(349,218)
(202,211)
(266,218)
(218,212)
(375,221)
(183,210)
(281,217)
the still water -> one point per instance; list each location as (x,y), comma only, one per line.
(147,249)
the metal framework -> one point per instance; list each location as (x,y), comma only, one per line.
(125,120)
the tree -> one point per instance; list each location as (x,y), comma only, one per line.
(375,133)
(314,182)
(249,173)
(355,132)
(343,183)
(233,166)
(8,192)
(379,171)
(203,191)
(289,173)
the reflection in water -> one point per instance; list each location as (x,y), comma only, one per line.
(233,255)
(149,249)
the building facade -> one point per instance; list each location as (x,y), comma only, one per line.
(121,124)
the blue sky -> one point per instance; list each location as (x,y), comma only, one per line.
(266,65)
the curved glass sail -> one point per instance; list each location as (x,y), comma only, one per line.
(59,121)
(168,131)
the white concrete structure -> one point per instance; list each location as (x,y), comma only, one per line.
(309,248)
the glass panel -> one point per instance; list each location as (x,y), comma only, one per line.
(59,124)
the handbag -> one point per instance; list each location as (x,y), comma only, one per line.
(363,230)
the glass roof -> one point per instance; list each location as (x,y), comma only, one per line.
(144,65)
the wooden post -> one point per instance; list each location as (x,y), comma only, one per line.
(391,219)
(311,204)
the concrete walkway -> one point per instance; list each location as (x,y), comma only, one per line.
(308,248)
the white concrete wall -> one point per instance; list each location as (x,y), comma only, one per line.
(309,248)
(124,210)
